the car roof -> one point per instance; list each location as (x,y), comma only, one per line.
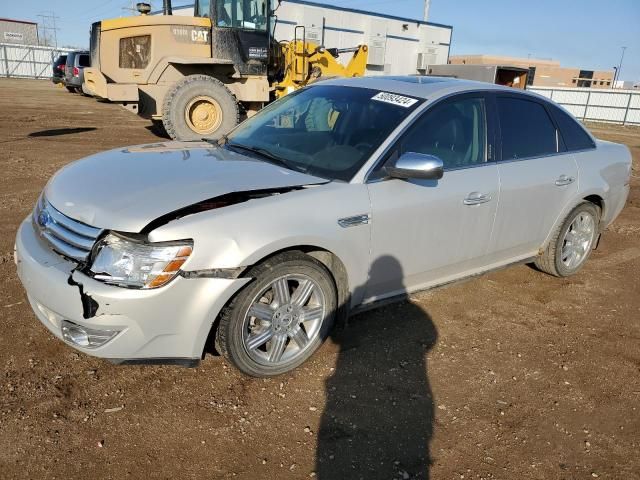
(421,86)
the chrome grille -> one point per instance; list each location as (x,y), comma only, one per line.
(66,236)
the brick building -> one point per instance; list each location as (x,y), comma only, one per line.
(543,73)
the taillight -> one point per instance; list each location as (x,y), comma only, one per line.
(76,71)
(60,67)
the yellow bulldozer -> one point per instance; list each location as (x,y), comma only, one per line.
(198,76)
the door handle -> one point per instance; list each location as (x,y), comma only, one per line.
(476,198)
(564,180)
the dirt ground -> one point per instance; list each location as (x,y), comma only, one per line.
(514,375)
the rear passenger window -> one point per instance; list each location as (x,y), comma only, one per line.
(574,136)
(527,130)
(454,132)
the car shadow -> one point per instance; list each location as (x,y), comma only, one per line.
(379,413)
(61,131)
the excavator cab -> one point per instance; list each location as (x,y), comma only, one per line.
(239,32)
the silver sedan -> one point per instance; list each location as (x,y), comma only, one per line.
(339,196)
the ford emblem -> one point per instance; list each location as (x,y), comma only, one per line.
(44,219)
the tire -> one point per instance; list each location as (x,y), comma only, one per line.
(251,344)
(200,95)
(70,89)
(555,260)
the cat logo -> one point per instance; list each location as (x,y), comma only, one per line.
(191,35)
(200,36)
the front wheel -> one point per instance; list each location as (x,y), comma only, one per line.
(572,242)
(197,107)
(280,319)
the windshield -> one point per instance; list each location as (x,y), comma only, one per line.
(327,131)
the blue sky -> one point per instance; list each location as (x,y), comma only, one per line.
(579,33)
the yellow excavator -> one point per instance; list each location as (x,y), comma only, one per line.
(198,76)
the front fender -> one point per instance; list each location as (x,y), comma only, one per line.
(159,72)
(242,235)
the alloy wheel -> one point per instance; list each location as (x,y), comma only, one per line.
(578,240)
(283,320)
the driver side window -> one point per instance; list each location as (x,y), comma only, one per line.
(454,131)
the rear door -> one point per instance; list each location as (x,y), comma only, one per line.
(538,177)
(425,232)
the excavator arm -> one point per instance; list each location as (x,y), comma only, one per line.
(307,62)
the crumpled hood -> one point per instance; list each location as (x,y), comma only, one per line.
(125,189)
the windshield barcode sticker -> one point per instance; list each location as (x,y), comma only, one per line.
(394,99)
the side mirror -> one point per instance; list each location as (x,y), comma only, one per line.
(416,165)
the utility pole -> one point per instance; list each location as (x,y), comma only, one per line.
(49,24)
(427,4)
(617,77)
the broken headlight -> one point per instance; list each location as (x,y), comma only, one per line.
(130,263)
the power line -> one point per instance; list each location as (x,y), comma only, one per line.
(100,12)
(93,9)
(131,8)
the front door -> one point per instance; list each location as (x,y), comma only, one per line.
(425,232)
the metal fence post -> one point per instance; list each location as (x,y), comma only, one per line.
(6,60)
(626,112)
(584,116)
(33,65)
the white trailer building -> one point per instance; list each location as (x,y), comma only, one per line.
(397,46)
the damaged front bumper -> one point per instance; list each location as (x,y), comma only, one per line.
(169,324)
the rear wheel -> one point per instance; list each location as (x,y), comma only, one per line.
(572,243)
(199,106)
(70,89)
(281,318)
